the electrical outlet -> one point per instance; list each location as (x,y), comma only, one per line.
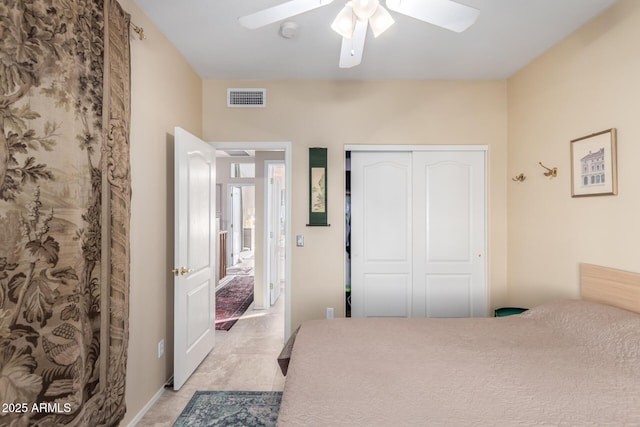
(329,312)
(161,348)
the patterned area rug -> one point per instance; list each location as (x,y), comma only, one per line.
(231,408)
(232,301)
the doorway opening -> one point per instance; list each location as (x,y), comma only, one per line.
(240,225)
(253,220)
(235,286)
(198,253)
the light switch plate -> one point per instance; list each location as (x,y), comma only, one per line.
(299,240)
(161,348)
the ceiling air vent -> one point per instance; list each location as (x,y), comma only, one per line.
(237,153)
(246,98)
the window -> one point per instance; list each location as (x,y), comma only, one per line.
(243,170)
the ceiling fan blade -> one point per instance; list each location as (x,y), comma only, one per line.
(443,13)
(352,49)
(280,12)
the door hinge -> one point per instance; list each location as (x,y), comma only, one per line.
(271,286)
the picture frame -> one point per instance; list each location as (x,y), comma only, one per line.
(594,164)
(318,187)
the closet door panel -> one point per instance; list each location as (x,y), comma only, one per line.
(449,234)
(386,295)
(418,234)
(386,210)
(448,196)
(449,295)
(381,234)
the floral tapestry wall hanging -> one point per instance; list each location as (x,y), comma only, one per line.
(64,211)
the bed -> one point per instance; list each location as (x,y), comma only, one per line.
(564,363)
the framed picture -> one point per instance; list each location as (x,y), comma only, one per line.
(594,165)
(318,187)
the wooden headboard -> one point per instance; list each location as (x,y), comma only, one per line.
(610,286)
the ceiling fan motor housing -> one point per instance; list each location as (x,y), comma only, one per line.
(364,9)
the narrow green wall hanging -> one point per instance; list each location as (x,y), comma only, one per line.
(318,187)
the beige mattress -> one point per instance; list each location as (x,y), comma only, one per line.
(568,363)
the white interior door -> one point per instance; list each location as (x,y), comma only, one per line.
(235,223)
(449,234)
(381,237)
(275,229)
(194,285)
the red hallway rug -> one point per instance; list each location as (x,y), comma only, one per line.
(232,301)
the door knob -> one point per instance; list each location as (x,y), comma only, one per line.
(182,271)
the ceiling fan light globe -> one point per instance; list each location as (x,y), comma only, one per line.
(364,9)
(393,4)
(344,22)
(380,21)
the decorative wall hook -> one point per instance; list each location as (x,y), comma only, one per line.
(138,30)
(519,178)
(550,172)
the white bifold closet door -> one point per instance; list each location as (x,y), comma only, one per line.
(418,234)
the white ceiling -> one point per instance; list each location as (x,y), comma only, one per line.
(508,35)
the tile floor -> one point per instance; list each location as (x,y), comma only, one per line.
(244,358)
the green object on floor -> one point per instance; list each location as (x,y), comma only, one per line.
(508,311)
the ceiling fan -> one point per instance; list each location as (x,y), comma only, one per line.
(357,15)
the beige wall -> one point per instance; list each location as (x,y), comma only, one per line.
(165,92)
(588,83)
(335,113)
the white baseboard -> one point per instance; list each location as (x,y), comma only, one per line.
(148,406)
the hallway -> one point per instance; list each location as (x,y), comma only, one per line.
(244,358)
